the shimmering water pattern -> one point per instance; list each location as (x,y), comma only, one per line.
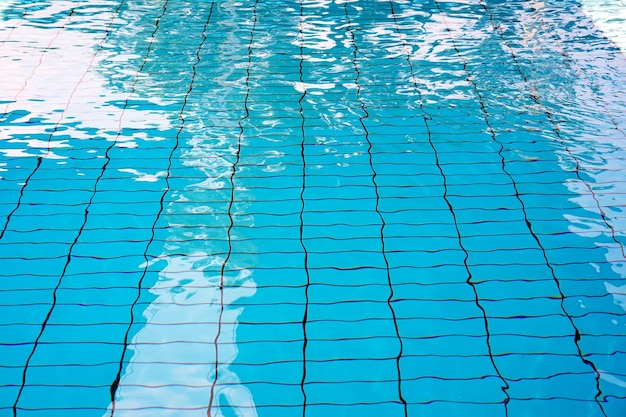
(312,208)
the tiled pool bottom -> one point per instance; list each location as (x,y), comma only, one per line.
(323,208)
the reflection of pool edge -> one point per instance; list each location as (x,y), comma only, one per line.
(600,16)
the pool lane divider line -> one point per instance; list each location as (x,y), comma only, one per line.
(115,384)
(58,123)
(505,388)
(557,131)
(527,220)
(5,115)
(302,205)
(390,299)
(86,213)
(426,118)
(231,219)
(116,381)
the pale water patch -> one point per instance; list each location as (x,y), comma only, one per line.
(610,17)
(80,100)
(174,357)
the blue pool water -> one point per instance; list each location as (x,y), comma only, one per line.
(315,208)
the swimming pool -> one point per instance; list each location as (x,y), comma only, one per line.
(320,208)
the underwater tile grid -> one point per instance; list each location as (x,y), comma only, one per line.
(312,208)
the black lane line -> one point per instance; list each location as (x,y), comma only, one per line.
(116,382)
(56,127)
(302,202)
(427,117)
(85,215)
(505,388)
(230,211)
(529,225)
(535,97)
(355,52)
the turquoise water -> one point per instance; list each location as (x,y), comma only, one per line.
(325,208)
